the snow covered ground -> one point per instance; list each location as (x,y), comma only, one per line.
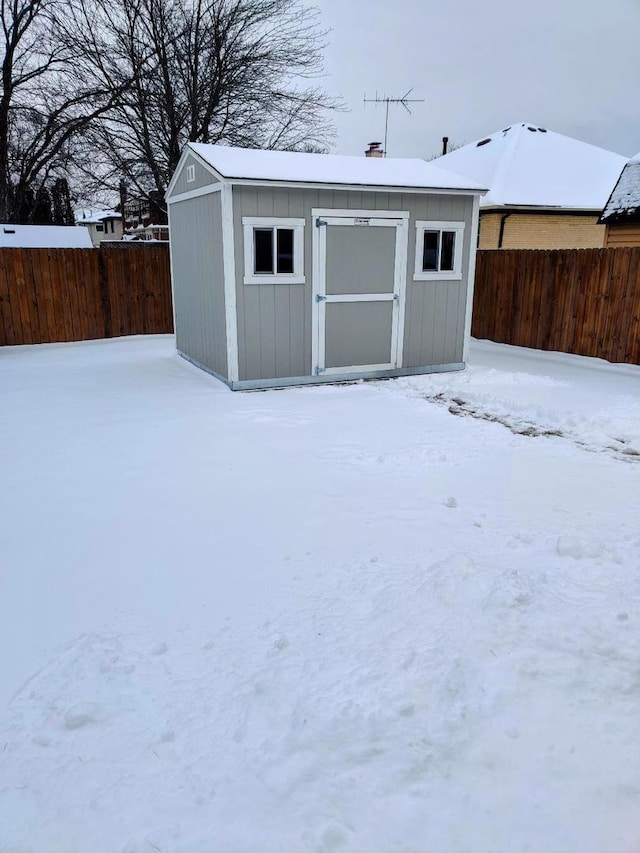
(394,616)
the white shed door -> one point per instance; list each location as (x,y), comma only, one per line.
(359,292)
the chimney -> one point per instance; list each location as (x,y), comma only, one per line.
(374,150)
(445,144)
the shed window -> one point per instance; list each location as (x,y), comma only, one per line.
(438,250)
(273,250)
(99,227)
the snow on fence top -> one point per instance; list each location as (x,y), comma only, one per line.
(298,167)
(624,203)
(525,165)
(44,237)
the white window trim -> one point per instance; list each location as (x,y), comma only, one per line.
(297,276)
(419,274)
(191,173)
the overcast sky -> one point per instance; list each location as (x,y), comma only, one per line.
(572,66)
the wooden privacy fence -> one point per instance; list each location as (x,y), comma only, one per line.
(51,295)
(584,301)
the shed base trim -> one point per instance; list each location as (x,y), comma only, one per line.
(289,381)
(201,366)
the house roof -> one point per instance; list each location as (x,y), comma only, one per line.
(526,165)
(298,167)
(45,237)
(624,202)
(86,216)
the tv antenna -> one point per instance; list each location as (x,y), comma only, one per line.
(405,100)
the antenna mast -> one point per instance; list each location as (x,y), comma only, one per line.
(387,101)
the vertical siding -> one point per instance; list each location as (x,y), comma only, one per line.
(435,310)
(274,321)
(196,246)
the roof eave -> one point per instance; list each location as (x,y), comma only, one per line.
(387,188)
(534,208)
(621,217)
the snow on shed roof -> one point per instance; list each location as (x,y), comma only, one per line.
(624,203)
(44,237)
(298,167)
(527,165)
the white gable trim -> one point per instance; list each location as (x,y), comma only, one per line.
(187,151)
(211,188)
(176,174)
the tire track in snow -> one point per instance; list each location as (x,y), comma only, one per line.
(620,449)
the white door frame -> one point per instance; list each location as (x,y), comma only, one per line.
(321,219)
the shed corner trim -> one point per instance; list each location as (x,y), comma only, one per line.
(475,224)
(229,269)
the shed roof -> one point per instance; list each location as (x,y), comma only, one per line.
(624,203)
(44,237)
(298,167)
(526,165)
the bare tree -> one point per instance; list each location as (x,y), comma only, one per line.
(51,93)
(243,72)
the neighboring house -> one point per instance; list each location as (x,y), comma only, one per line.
(146,219)
(546,190)
(621,215)
(293,268)
(101,224)
(44,237)
(147,234)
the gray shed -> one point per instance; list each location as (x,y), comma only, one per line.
(293,268)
